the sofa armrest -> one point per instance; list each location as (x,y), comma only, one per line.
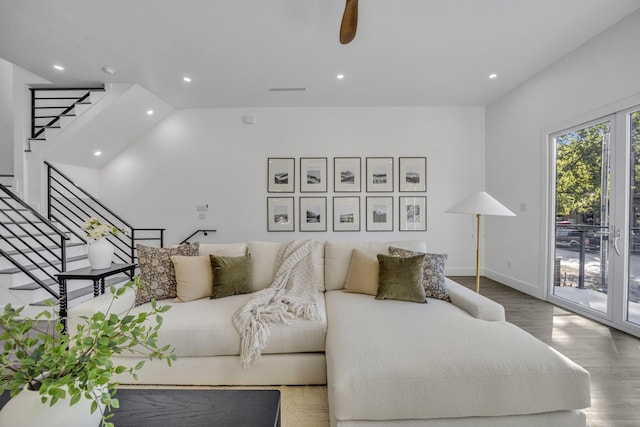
(101,303)
(475,304)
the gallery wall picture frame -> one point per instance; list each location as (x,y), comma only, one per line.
(413,213)
(379,174)
(281,174)
(313,214)
(379,213)
(280,214)
(346,213)
(313,174)
(412,175)
(346,174)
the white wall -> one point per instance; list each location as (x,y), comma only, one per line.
(604,70)
(208,156)
(6,117)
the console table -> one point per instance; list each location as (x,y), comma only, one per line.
(97,276)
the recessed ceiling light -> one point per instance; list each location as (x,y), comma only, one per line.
(58,67)
(493,76)
(187,79)
(149,112)
(340,76)
(109,70)
(97,153)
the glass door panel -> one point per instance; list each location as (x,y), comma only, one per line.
(633,290)
(582,191)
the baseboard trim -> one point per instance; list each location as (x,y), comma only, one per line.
(512,282)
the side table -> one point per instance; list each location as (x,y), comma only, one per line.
(97,276)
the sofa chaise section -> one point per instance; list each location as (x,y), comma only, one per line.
(399,363)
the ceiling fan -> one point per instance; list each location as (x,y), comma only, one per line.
(349,22)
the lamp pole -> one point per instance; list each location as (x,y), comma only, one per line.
(478,254)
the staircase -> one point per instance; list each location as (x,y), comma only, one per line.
(54,108)
(32,251)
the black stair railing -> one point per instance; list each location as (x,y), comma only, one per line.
(49,105)
(72,206)
(33,238)
(204,232)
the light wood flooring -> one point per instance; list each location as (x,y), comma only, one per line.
(612,357)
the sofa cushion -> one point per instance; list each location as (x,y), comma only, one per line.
(437,361)
(400,278)
(204,328)
(433,272)
(264,256)
(362,277)
(157,275)
(231,275)
(194,277)
(337,257)
(223,249)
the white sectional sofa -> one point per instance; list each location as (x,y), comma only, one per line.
(384,362)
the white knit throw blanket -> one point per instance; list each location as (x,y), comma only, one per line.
(291,295)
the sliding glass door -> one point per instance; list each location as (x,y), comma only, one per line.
(632,295)
(595,250)
(581,250)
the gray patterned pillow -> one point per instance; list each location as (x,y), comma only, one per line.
(432,270)
(157,273)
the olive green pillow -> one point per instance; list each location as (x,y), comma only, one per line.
(400,278)
(231,275)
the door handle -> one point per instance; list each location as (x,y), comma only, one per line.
(616,236)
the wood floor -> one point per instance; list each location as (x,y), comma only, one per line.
(612,357)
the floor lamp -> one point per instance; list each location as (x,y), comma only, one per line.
(480,203)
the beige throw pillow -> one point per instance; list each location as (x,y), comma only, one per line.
(194,277)
(362,276)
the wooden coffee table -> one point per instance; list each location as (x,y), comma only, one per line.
(191,408)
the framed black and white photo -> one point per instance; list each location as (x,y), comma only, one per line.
(280,214)
(413,213)
(379,174)
(380,213)
(281,175)
(313,214)
(346,174)
(313,174)
(413,174)
(346,213)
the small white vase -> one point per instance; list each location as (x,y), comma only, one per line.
(26,410)
(100,254)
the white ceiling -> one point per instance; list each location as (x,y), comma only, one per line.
(406,52)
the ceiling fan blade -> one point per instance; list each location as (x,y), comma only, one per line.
(349,22)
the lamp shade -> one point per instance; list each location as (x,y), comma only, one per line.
(480,203)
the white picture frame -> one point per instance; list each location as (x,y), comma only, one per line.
(313,174)
(379,213)
(412,174)
(313,214)
(346,213)
(281,175)
(413,213)
(346,174)
(280,214)
(379,174)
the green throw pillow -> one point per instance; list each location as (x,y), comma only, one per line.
(231,275)
(400,278)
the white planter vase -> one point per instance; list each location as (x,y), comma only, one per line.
(26,410)
(100,254)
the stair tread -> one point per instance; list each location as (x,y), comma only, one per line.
(42,248)
(38,234)
(85,290)
(32,286)
(42,264)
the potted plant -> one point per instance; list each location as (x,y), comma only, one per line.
(76,368)
(100,250)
